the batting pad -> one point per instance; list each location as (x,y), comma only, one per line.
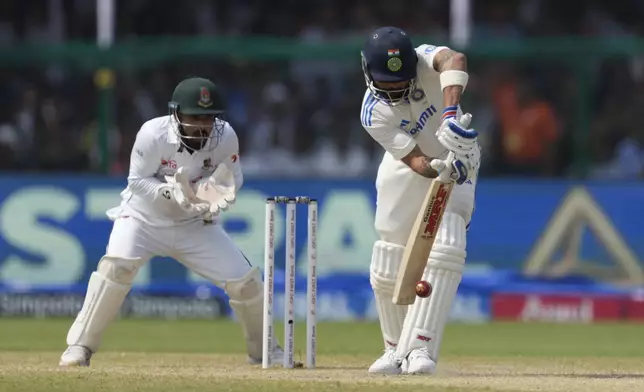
(106,291)
(385,261)
(427,317)
(247,301)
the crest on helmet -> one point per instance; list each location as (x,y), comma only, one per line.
(394,64)
(204,98)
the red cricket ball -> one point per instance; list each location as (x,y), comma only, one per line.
(423,289)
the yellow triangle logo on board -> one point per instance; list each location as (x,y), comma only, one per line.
(564,233)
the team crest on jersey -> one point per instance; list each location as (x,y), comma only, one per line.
(207,164)
(418,94)
(394,64)
(204,98)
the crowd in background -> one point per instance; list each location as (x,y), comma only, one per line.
(300,117)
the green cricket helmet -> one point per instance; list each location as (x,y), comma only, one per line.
(197,111)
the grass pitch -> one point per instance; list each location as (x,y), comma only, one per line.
(162,356)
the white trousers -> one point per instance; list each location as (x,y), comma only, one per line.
(203,248)
(400,194)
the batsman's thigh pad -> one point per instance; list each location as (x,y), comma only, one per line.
(385,262)
(400,194)
(106,291)
(427,317)
(246,296)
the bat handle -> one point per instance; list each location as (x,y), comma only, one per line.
(446,175)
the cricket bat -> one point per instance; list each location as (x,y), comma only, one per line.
(421,238)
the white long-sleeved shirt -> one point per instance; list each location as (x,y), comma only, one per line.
(398,129)
(158,152)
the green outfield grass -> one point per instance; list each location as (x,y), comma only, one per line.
(160,356)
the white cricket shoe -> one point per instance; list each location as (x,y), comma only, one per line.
(277,358)
(75,356)
(419,362)
(386,364)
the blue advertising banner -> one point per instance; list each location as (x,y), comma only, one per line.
(53,230)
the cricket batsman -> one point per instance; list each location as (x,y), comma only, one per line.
(184,171)
(412,109)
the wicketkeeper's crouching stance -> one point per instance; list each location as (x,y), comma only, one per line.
(184,171)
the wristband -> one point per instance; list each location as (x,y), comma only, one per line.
(454,78)
(449,112)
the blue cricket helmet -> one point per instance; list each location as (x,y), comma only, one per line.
(389,56)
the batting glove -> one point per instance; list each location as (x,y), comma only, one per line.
(455,135)
(452,168)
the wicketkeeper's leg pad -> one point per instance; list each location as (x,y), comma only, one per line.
(426,319)
(385,262)
(246,298)
(107,288)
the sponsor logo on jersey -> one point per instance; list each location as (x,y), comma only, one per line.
(404,124)
(169,163)
(420,123)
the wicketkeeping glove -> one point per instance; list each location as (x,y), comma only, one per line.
(178,189)
(219,189)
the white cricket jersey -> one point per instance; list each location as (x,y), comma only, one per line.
(158,152)
(398,129)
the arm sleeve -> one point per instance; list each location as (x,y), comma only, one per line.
(230,151)
(426,54)
(393,139)
(144,162)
